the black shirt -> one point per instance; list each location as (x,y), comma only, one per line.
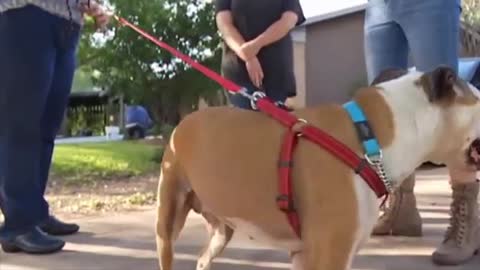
(252,18)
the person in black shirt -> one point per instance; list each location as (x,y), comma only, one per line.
(258,49)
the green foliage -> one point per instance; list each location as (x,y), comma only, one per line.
(84,120)
(124,62)
(83,163)
(82,81)
(471,12)
(166,131)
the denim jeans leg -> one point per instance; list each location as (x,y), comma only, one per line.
(432,28)
(52,117)
(27,54)
(385,43)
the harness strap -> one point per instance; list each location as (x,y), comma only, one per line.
(346,155)
(328,143)
(285,200)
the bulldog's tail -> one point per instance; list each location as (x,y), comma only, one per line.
(173,207)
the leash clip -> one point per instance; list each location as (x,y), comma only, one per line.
(254,97)
(376,162)
(297,126)
(257,95)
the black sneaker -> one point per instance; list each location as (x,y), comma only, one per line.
(53,226)
(33,242)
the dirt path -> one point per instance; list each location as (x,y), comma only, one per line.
(105,196)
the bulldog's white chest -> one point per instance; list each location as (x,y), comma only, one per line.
(367,211)
(256,234)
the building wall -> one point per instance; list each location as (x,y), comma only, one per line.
(300,74)
(334,61)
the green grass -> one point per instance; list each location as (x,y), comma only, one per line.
(84,163)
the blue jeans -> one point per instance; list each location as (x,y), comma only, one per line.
(428,29)
(37,52)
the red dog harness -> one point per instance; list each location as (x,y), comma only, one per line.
(285,199)
(296,128)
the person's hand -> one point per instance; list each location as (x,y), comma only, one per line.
(99,14)
(249,50)
(255,71)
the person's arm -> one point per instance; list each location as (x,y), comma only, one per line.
(225,25)
(278,29)
(292,16)
(95,10)
(229,32)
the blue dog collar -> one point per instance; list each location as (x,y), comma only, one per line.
(365,132)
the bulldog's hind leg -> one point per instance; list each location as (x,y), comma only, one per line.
(219,237)
(173,206)
(297,259)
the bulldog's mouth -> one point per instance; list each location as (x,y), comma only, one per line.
(473,154)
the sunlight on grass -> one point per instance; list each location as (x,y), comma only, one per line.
(85,162)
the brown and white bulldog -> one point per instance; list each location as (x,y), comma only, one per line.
(222,162)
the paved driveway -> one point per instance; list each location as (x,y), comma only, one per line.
(126,242)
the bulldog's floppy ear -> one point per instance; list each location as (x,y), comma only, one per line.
(439,84)
(388,74)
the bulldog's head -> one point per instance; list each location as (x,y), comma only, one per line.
(456,107)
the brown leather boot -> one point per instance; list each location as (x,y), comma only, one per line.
(401,217)
(462,238)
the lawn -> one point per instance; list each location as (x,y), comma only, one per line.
(84,163)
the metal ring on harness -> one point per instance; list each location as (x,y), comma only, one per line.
(301,122)
(378,158)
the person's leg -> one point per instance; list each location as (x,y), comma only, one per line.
(462,238)
(432,29)
(27,56)
(240,101)
(276,94)
(384,41)
(386,47)
(401,217)
(67,40)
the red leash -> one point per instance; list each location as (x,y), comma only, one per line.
(285,199)
(227,84)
